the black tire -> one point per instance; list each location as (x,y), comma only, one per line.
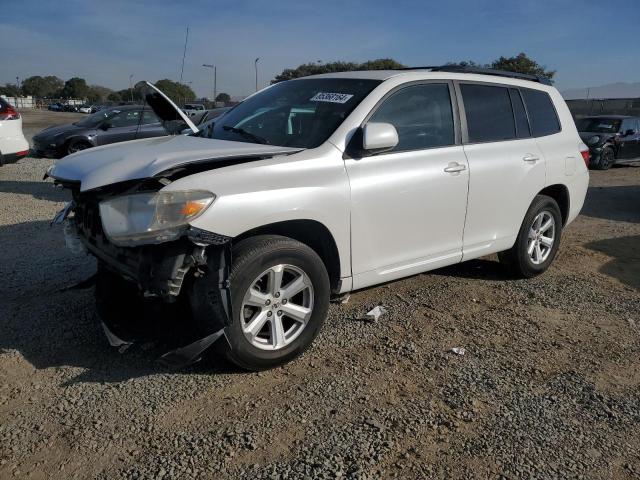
(251,257)
(607,159)
(77,145)
(517,259)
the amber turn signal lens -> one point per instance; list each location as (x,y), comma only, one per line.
(191,208)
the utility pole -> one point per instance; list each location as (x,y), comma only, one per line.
(255,64)
(131,87)
(215,75)
(184,54)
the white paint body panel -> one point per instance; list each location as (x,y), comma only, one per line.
(11,137)
(391,215)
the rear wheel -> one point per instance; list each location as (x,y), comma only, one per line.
(538,239)
(280,297)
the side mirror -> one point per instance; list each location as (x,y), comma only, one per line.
(379,137)
(105,126)
(629,132)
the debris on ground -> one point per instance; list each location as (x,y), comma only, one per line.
(458,350)
(374,314)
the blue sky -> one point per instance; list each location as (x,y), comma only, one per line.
(588,42)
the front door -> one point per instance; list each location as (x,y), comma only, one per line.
(408,204)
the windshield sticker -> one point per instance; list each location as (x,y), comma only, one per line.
(604,125)
(331,97)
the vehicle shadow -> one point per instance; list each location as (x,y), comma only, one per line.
(625,262)
(52,324)
(40,190)
(618,203)
(477,269)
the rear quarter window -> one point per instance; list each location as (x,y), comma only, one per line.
(542,114)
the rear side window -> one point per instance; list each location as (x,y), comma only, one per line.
(520,115)
(542,114)
(489,113)
(422,115)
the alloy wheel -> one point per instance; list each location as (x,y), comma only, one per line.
(277,307)
(541,238)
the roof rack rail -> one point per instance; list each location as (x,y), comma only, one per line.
(483,71)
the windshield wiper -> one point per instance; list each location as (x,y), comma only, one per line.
(244,133)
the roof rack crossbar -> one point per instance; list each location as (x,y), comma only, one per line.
(483,71)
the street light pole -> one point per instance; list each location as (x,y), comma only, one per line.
(131,87)
(255,64)
(215,79)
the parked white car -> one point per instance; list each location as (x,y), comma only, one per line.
(13,145)
(323,185)
(193,109)
(86,109)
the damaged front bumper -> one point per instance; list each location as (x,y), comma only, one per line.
(158,271)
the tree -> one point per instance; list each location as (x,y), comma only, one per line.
(41,87)
(176,91)
(316,68)
(10,90)
(75,88)
(114,97)
(98,93)
(522,64)
(223,97)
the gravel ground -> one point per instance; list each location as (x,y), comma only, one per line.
(549,386)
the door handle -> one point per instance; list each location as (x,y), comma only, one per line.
(530,158)
(455,167)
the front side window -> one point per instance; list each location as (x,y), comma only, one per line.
(629,124)
(542,115)
(489,113)
(298,113)
(421,114)
(129,118)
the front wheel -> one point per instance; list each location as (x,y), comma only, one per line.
(280,297)
(538,239)
(607,158)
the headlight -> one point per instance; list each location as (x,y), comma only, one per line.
(593,140)
(152,217)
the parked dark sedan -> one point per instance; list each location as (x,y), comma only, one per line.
(611,139)
(116,124)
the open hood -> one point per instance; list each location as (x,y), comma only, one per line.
(138,159)
(164,107)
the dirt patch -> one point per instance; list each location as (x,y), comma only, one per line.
(548,387)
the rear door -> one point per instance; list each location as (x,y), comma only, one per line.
(507,168)
(151,126)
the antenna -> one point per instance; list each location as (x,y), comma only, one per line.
(184,54)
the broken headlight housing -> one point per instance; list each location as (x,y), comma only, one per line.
(156,217)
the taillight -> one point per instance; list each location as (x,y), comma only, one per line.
(9,113)
(584,151)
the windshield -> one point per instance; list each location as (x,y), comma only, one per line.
(297,113)
(97,118)
(599,125)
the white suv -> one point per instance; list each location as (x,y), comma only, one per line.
(13,145)
(323,185)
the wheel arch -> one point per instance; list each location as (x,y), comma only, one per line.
(560,193)
(313,234)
